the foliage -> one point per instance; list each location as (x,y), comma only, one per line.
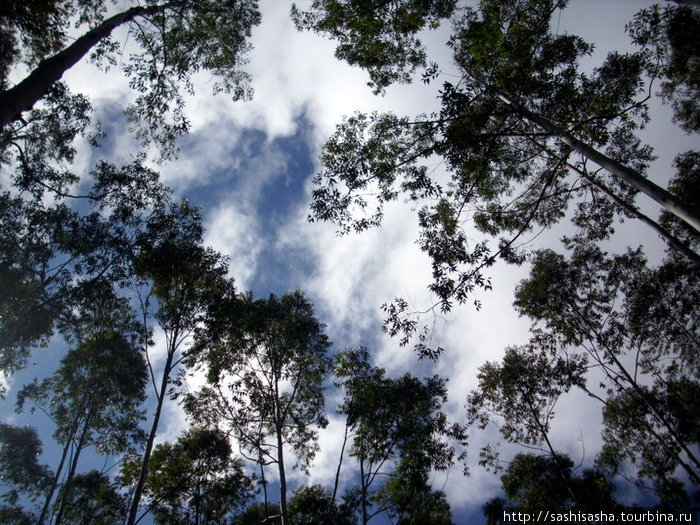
(94,499)
(20,470)
(532,484)
(639,327)
(509,173)
(666,34)
(520,393)
(177,280)
(94,397)
(194,480)
(175,39)
(385,45)
(52,254)
(266,363)
(396,421)
(100,383)
(313,505)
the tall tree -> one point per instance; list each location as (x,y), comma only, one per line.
(400,433)
(518,133)
(638,328)
(21,474)
(51,254)
(94,396)
(266,365)
(520,393)
(314,505)
(175,39)
(533,483)
(176,281)
(196,480)
(94,498)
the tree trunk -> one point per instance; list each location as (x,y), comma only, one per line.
(151,438)
(363,488)
(672,241)
(630,176)
(27,93)
(73,466)
(280,460)
(340,462)
(54,483)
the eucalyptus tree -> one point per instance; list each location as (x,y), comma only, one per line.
(520,394)
(532,483)
(51,253)
(173,39)
(176,280)
(399,433)
(266,362)
(518,133)
(95,395)
(638,328)
(21,474)
(94,498)
(195,480)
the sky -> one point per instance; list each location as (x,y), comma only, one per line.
(249,166)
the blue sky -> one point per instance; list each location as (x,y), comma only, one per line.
(249,165)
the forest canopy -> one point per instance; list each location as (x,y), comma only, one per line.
(151,372)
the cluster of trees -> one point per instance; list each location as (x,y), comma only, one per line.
(107,263)
(529,139)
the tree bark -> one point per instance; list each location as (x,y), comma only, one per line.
(29,91)
(280,460)
(54,483)
(630,176)
(73,466)
(151,438)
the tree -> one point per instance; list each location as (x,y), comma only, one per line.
(396,421)
(518,134)
(521,393)
(385,45)
(175,39)
(20,471)
(266,362)
(176,280)
(666,35)
(195,480)
(51,254)
(638,328)
(94,499)
(533,483)
(314,505)
(94,396)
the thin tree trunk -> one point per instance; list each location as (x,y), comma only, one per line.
(340,462)
(280,460)
(667,236)
(54,484)
(73,466)
(363,488)
(27,93)
(630,176)
(151,438)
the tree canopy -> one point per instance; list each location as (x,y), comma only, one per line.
(109,284)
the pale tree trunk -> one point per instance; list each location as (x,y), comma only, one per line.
(628,175)
(29,91)
(280,459)
(667,236)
